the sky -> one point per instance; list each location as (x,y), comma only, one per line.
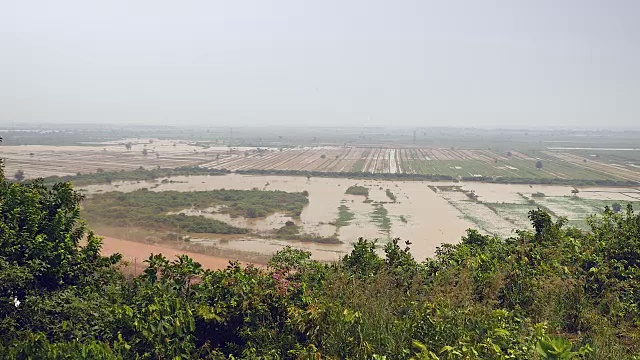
(519,63)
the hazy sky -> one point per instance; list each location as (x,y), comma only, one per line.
(321,62)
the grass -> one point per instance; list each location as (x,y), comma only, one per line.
(380,217)
(150,209)
(358,165)
(515,213)
(344,216)
(196,224)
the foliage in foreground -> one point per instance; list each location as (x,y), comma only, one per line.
(550,293)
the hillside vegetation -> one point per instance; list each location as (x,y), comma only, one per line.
(547,293)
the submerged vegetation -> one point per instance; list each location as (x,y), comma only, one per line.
(357,190)
(391,195)
(190,224)
(551,292)
(380,217)
(152,209)
(291,231)
(345,215)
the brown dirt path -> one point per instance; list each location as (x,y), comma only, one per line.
(135,252)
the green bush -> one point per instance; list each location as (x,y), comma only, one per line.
(548,293)
(391,195)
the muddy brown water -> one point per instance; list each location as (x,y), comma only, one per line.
(430,219)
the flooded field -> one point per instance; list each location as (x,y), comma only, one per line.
(430,220)
(502,208)
(426,213)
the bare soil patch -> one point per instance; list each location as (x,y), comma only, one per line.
(135,253)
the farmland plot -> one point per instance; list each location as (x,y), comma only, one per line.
(456,163)
(44,161)
(608,170)
(499,208)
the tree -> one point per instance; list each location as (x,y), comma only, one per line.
(541,221)
(145,152)
(363,259)
(19,176)
(40,235)
(539,164)
(128,146)
(509,153)
(323,156)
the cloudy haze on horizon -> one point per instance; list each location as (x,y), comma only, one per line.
(408,63)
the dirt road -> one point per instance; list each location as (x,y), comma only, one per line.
(136,253)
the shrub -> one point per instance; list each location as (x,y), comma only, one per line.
(357,190)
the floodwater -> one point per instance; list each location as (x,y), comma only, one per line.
(420,215)
(264,224)
(509,193)
(322,252)
(430,220)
